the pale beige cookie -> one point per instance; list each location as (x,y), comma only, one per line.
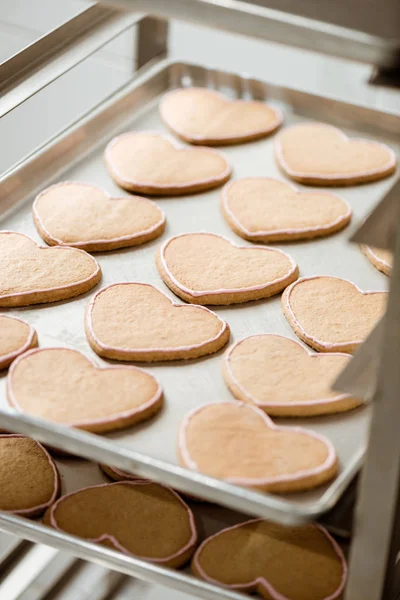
(31,274)
(206,268)
(118,475)
(151,163)
(277,561)
(64,386)
(16,337)
(239,443)
(260,209)
(203,116)
(142,519)
(332,314)
(84,216)
(135,321)
(29,479)
(284,379)
(381,259)
(319,154)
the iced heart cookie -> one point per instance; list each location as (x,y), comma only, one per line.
(282,378)
(267,210)
(205,268)
(319,154)
(150,163)
(381,259)
(279,562)
(118,475)
(139,518)
(240,444)
(203,116)
(16,337)
(64,386)
(135,321)
(84,216)
(332,314)
(31,274)
(29,480)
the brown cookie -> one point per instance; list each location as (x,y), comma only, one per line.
(136,321)
(319,154)
(29,480)
(16,337)
(277,561)
(206,268)
(381,259)
(64,386)
(260,209)
(118,475)
(203,116)
(240,444)
(151,163)
(139,518)
(332,314)
(284,379)
(84,216)
(31,274)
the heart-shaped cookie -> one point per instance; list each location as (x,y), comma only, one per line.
(84,216)
(206,268)
(279,562)
(16,337)
(381,259)
(203,116)
(31,274)
(332,314)
(261,209)
(280,376)
(240,444)
(135,321)
(150,163)
(139,518)
(118,475)
(29,480)
(319,154)
(64,386)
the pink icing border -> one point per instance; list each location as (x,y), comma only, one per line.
(329,345)
(255,234)
(371,254)
(4,358)
(108,196)
(252,481)
(52,249)
(270,129)
(113,540)
(279,153)
(174,144)
(161,350)
(116,417)
(40,507)
(199,293)
(290,404)
(261,580)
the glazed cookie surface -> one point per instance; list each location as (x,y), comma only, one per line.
(203,116)
(31,274)
(64,386)
(260,209)
(29,480)
(284,379)
(136,321)
(151,163)
(319,154)
(16,337)
(332,314)
(381,259)
(240,444)
(279,562)
(84,216)
(206,268)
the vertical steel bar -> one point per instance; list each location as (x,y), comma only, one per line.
(152,40)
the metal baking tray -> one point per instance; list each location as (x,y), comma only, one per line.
(149,450)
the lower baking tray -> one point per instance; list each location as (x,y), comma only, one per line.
(150,449)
